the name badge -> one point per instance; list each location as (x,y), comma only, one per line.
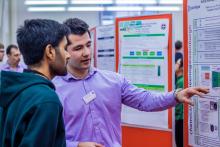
(89,97)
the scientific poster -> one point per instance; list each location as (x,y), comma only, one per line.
(204,70)
(143,47)
(105,46)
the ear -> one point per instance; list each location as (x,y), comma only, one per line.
(50,52)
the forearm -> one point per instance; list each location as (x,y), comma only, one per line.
(158,102)
(150,101)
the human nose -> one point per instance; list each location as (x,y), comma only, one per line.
(86,51)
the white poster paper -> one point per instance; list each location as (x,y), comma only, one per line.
(204,70)
(143,60)
(105,45)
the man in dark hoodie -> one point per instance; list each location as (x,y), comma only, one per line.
(32,112)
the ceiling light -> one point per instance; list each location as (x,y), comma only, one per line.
(124,8)
(86,9)
(46,9)
(136,2)
(98,2)
(45,2)
(161,8)
(171,1)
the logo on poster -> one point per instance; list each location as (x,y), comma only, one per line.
(163,26)
(193,7)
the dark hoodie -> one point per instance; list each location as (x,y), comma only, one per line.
(31,113)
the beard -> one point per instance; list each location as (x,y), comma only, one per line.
(59,66)
(58,70)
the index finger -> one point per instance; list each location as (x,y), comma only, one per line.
(202,89)
(197,92)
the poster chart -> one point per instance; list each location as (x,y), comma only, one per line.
(143,46)
(93,45)
(105,47)
(203,43)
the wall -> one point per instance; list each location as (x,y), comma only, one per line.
(178,26)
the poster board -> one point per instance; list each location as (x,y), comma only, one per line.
(105,47)
(144,56)
(202,68)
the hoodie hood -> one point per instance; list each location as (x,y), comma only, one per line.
(13,83)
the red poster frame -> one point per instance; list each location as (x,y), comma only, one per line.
(186,59)
(170,70)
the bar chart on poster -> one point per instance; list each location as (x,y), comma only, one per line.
(203,43)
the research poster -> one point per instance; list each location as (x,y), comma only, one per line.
(105,46)
(144,61)
(204,70)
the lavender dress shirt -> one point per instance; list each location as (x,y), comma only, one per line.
(100,120)
(6,67)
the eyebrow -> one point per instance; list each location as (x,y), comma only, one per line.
(80,45)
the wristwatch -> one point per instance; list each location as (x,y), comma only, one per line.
(176,92)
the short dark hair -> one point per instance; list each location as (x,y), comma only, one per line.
(2,45)
(178,45)
(181,63)
(8,50)
(77,26)
(35,35)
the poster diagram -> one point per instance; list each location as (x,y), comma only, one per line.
(144,46)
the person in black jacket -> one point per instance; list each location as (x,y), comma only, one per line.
(31,112)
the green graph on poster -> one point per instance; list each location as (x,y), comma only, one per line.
(215,79)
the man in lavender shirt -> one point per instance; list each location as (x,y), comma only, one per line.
(92,99)
(14,57)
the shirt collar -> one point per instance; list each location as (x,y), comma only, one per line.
(7,66)
(70,77)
